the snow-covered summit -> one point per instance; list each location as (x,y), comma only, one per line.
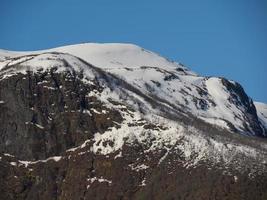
(108,55)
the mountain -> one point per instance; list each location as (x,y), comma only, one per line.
(116,121)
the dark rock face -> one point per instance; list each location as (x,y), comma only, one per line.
(48,121)
(240,98)
(39,117)
(81,175)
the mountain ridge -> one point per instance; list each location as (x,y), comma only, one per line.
(69,127)
(119,58)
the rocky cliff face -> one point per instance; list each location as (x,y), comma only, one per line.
(139,130)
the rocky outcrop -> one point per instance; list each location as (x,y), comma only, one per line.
(239,98)
(46,113)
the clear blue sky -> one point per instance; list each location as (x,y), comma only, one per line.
(213,37)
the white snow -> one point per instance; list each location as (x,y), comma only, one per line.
(262,112)
(13,163)
(143,183)
(26,163)
(9,155)
(100,180)
(35,124)
(4,54)
(119,155)
(95,111)
(235,178)
(138,167)
(223,110)
(110,55)
(114,55)
(164,156)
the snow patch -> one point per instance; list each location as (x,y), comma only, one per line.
(138,167)
(100,180)
(27,163)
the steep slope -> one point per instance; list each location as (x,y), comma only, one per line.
(74,118)
(262,112)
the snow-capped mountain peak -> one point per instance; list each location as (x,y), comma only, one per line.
(109,55)
(217,101)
